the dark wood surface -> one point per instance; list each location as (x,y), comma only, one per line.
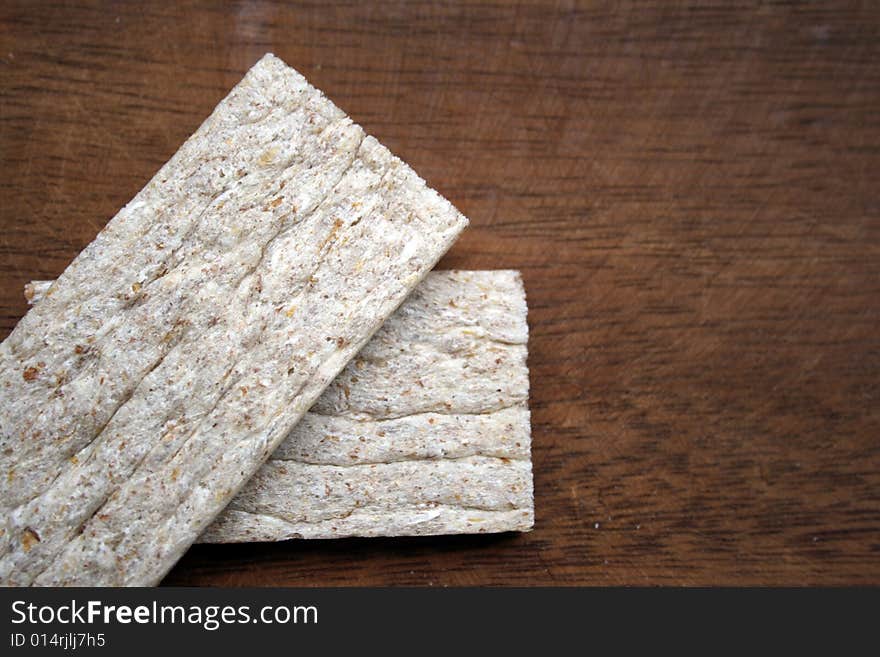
(691,193)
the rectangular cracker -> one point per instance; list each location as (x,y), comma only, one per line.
(425,432)
(180,347)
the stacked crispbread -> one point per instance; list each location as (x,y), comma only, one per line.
(183,346)
(426,431)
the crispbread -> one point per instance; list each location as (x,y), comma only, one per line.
(426,431)
(181,346)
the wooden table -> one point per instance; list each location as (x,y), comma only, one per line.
(692,196)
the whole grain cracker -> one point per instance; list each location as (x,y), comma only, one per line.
(182,345)
(446,452)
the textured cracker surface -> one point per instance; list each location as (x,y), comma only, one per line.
(426,431)
(180,347)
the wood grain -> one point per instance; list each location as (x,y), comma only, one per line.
(691,194)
